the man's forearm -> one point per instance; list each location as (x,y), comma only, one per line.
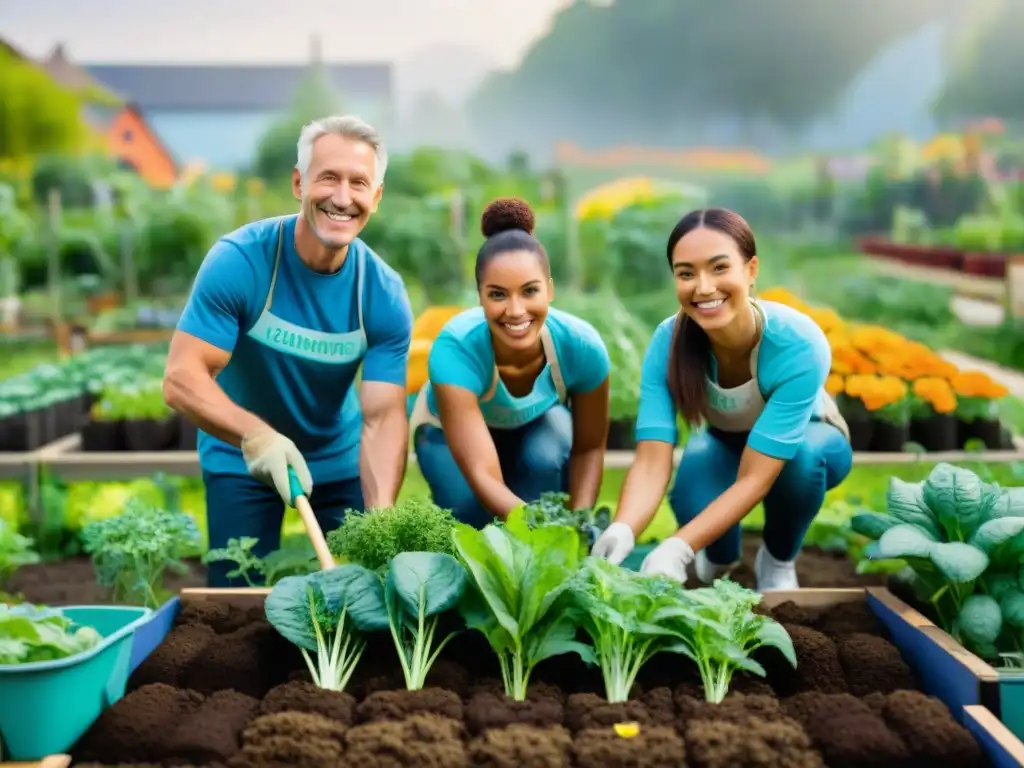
(585,471)
(199,398)
(383,450)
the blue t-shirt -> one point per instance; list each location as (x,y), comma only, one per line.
(793,363)
(462,355)
(294,366)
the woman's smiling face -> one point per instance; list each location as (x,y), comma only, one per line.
(712,277)
(515,293)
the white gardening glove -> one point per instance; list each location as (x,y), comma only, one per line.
(615,543)
(268,455)
(670,559)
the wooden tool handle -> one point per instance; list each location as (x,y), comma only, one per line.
(313,529)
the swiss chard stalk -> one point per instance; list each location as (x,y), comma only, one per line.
(418,588)
(717,629)
(620,613)
(518,594)
(328,613)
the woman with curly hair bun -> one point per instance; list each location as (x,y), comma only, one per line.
(492,426)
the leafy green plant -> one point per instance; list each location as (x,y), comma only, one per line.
(552,508)
(15,551)
(418,589)
(963,542)
(132,552)
(328,612)
(622,611)
(717,629)
(31,633)
(374,537)
(291,560)
(519,594)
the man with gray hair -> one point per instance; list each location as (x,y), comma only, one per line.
(282,314)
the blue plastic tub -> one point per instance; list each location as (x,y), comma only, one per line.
(46,706)
(150,634)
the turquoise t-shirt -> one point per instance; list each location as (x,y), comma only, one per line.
(462,355)
(294,366)
(793,363)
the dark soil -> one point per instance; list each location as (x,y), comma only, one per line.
(815,568)
(72,581)
(224,690)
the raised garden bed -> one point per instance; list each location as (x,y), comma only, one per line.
(225,688)
(25,426)
(980,263)
(72,581)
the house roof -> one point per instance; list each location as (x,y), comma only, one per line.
(232,88)
(72,76)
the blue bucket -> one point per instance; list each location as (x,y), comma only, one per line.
(46,706)
(149,635)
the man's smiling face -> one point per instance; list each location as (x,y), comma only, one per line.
(339,192)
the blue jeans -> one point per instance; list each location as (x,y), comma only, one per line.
(534,459)
(709,467)
(239,505)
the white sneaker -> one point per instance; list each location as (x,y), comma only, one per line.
(772,574)
(707,571)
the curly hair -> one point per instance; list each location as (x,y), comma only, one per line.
(508,224)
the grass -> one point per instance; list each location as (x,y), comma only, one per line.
(18,358)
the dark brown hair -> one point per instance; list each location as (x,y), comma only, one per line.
(508,224)
(689,361)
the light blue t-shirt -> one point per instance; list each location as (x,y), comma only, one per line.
(793,363)
(294,365)
(462,355)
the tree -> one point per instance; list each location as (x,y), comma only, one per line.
(984,80)
(650,70)
(314,97)
(37,116)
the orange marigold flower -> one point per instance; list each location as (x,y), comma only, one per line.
(835,384)
(937,392)
(977,384)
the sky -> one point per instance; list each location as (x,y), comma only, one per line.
(271,31)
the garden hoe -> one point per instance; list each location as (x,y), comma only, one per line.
(309,521)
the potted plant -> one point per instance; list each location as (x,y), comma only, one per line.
(977,393)
(150,425)
(104,431)
(858,418)
(933,422)
(886,398)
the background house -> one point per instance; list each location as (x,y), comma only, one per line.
(216,114)
(121,127)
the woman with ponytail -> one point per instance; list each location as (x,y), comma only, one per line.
(753,374)
(493,426)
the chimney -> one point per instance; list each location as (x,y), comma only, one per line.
(315,50)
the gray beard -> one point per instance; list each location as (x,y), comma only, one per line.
(327,242)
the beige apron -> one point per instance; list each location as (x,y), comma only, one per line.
(737,409)
(421,412)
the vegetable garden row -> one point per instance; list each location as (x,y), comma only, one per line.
(437,644)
